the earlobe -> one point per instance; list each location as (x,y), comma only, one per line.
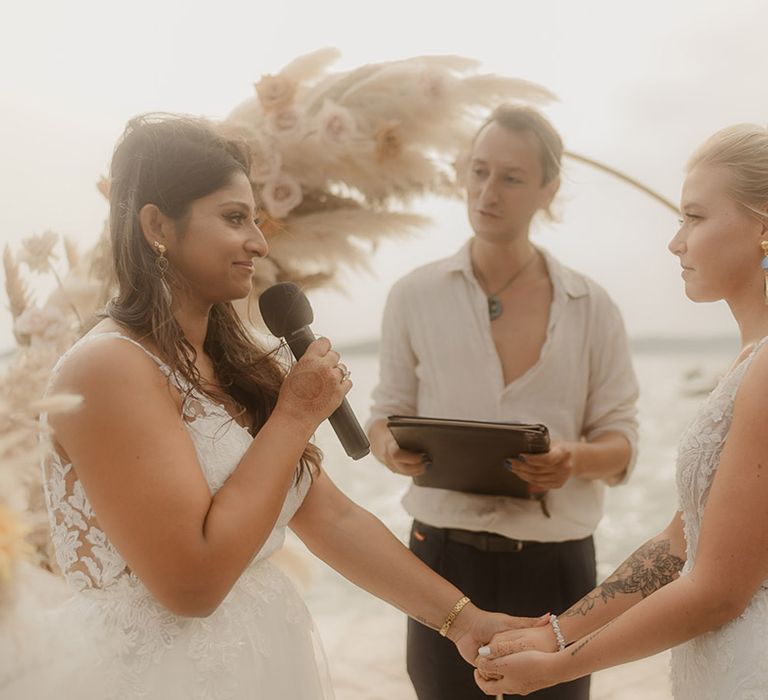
(152,223)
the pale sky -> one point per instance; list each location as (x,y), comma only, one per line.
(640,86)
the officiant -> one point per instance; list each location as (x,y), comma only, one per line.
(502,331)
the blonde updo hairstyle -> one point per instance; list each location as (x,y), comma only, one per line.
(743,149)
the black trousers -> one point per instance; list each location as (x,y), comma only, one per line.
(540,577)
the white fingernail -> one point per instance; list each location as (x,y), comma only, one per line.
(484,651)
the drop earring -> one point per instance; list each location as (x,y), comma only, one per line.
(764,265)
(161,263)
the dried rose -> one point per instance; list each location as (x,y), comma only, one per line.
(336,123)
(388,142)
(285,121)
(281,194)
(275,92)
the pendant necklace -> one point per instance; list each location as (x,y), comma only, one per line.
(495,307)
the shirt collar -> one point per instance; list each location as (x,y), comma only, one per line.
(571,282)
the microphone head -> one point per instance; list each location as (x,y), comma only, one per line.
(285,308)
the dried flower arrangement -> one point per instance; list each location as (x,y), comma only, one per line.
(42,333)
(337,156)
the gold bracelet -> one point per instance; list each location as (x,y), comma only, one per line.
(453,615)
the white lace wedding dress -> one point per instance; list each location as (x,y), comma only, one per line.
(259,643)
(730,663)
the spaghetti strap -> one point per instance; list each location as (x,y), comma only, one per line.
(118,334)
(162,366)
(109,334)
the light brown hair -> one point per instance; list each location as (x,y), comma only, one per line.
(524,118)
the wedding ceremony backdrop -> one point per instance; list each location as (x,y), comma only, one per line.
(337,157)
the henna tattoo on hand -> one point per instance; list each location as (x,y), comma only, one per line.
(651,567)
(307,386)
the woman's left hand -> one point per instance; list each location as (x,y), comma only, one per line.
(517,640)
(480,626)
(518,674)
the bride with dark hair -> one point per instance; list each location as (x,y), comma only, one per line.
(171,486)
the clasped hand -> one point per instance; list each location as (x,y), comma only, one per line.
(480,626)
(517,661)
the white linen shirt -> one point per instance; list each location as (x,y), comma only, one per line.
(438,359)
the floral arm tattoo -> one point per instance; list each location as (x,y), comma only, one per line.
(651,567)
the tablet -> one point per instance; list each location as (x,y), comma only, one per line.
(469,455)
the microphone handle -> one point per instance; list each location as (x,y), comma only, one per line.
(349,431)
(342,420)
(300,340)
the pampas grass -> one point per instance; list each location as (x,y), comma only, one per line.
(347,150)
(377,137)
(15,287)
(43,332)
(73,255)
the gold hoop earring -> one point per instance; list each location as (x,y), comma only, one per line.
(764,265)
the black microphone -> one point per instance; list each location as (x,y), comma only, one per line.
(287,313)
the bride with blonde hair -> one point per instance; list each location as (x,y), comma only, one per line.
(699,587)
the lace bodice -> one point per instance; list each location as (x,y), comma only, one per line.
(700,448)
(729,663)
(84,553)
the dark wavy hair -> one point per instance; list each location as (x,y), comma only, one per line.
(170,161)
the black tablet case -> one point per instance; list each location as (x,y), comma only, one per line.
(468,455)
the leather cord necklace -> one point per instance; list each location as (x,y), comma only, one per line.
(495,307)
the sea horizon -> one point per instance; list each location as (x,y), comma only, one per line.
(674,344)
(642,344)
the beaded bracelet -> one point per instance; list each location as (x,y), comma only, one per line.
(453,615)
(558,634)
